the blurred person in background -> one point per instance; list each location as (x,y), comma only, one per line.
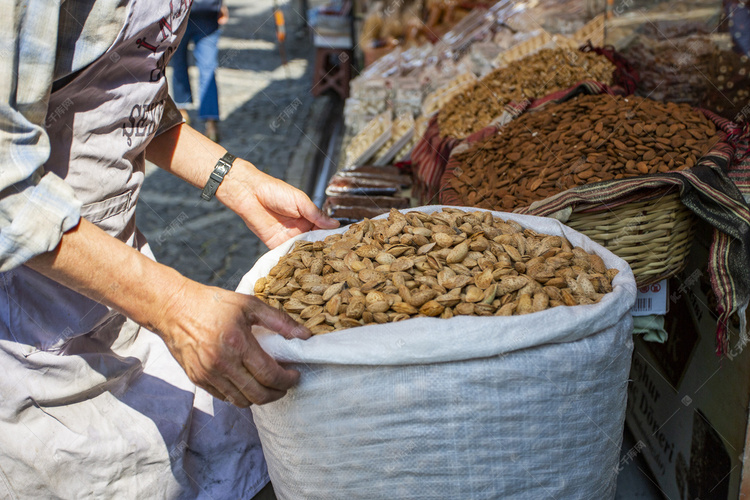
(203,30)
(737,13)
(121,377)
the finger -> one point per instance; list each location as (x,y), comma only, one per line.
(315,228)
(312,213)
(241,401)
(266,370)
(291,229)
(230,392)
(232,379)
(279,238)
(256,392)
(262,314)
(212,391)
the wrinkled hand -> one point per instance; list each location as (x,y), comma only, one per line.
(208,332)
(272,209)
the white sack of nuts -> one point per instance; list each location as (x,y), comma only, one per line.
(424,406)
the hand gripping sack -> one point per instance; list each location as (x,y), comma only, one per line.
(467,408)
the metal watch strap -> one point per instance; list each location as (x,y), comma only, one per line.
(220,170)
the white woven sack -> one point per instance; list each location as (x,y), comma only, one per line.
(467,408)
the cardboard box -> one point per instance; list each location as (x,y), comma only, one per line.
(688,408)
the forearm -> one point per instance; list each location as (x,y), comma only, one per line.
(99,266)
(186,153)
(207,330)
(272,209)
(191,156)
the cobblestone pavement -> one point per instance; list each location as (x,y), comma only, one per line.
(264,109)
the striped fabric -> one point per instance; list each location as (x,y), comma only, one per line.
(428,160)
(740,171)
(433,151)
(713,190)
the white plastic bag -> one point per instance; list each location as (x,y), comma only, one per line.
(467,408)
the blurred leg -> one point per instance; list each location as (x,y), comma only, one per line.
(180,79)
(206,54)
(740,29)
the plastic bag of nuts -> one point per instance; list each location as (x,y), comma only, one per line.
(368,141)
(439,265)
(401,126)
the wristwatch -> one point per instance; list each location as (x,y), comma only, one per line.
(220,170)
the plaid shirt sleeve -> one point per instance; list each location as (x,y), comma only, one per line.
(36,207)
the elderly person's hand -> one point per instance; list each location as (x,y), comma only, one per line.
(272,209)
(208,331)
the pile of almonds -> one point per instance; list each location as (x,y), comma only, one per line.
(534,76)
(584,140)
(441,265)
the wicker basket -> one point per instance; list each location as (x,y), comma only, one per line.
(592,32)
(523,49)
(653,236)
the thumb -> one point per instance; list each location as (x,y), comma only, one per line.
(312,213)
(262,314)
